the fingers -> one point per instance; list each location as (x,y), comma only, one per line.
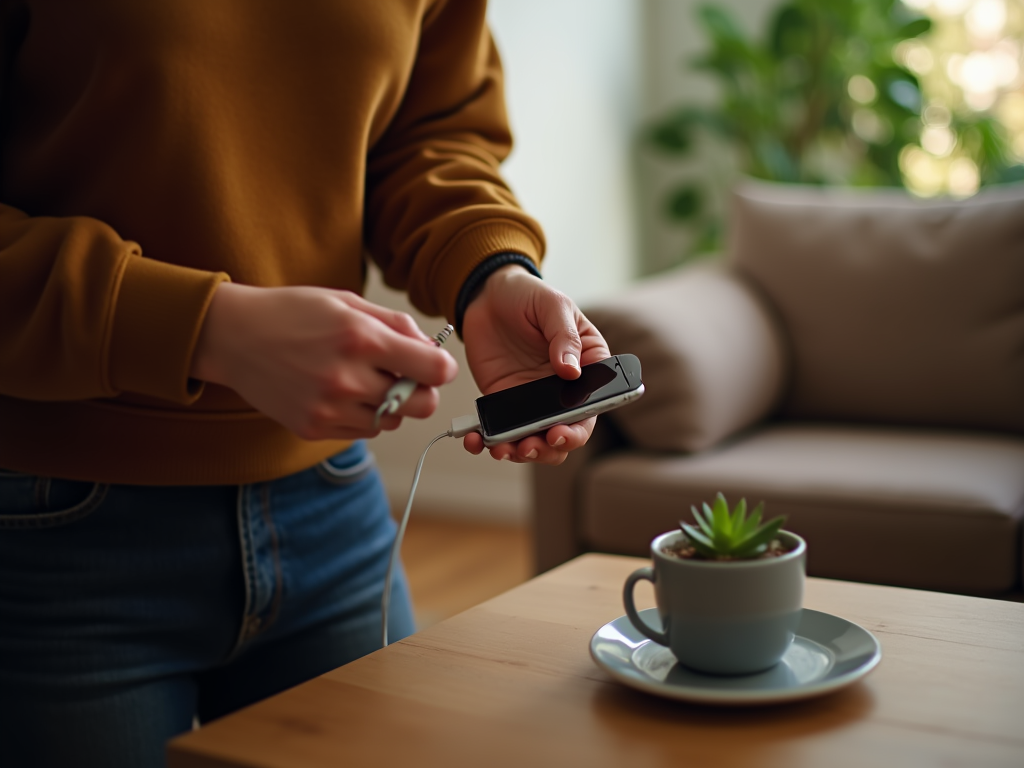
(349,419)
(375,348)
(559,324)
(407,351)
(400,322)
(595,348)
(474,443)
(573,340)
(389,349)
(424,363)
(550,448)
(420,405)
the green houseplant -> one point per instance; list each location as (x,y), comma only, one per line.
(824,97)
(721,535)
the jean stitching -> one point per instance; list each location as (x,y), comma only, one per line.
(63,517)
(275,603)
(339,476)
(248,567)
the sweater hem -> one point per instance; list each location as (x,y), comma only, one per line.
(77,441)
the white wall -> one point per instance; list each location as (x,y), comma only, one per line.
(572,77)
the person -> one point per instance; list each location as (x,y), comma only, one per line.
(190,519)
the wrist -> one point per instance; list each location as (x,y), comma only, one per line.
(209,356)
(500,278)
(481,275)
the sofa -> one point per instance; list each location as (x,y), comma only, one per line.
(855,360)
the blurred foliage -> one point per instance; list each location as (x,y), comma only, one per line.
(820,100)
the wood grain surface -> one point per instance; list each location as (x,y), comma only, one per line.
(453,565)
(511,683)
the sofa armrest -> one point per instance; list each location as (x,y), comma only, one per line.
(556,499)
(713,356)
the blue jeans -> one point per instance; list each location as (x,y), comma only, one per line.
(128,611)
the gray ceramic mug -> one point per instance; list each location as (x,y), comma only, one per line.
(725,618)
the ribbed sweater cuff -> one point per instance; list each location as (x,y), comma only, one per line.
(437,294)
(160,310)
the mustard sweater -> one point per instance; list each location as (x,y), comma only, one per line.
(151,150)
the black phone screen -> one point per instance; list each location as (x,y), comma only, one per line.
(537,400)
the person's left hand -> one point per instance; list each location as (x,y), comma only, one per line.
(519,329)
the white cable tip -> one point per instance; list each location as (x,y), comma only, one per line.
(463,425)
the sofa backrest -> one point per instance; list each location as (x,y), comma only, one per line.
(713,358)
(896,309)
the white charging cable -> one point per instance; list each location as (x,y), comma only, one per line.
(460,427)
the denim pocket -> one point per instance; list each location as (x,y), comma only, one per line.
(348,467)
(30,501)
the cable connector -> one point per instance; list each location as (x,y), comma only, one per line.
(402,389)
(463,425)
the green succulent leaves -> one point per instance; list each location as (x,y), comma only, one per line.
(721,535)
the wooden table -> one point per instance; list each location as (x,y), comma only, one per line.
(511,683)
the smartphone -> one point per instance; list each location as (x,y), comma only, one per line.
(513,413)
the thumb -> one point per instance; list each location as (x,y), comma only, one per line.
(561,329)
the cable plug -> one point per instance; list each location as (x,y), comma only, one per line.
(463,425)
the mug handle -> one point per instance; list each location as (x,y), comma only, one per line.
(627,598)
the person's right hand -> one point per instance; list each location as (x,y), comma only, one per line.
(318,361)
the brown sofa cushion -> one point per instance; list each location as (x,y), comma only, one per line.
(896,310)
(935,510)
(711,354)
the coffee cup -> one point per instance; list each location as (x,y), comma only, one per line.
(723,617)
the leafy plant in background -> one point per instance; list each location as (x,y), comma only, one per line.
(822,99)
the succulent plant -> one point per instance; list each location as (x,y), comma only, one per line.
(721,535)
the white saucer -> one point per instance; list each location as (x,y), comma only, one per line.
(828,653)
